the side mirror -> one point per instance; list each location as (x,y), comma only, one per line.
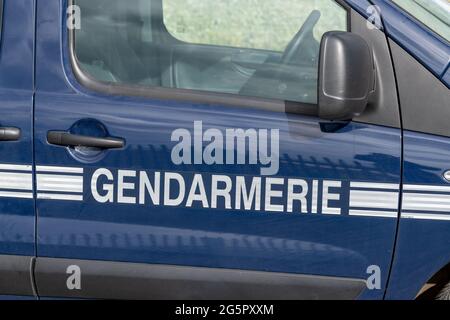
(346,75)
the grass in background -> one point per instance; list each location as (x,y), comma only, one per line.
(258,24)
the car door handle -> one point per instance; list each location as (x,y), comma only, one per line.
(62,138)
(9,134)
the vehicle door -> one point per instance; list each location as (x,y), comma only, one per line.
(419,33)
(17,215)
(180,154)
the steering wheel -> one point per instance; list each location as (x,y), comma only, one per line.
(295,46)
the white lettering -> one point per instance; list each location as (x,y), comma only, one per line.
(270,193)
(292,196)
(197,183)
(328,196)
(253,196)
(168,178)
(109,188)
(145,186)
(225,192)
(123,186)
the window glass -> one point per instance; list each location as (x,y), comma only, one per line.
(258,24)
(254,48)
(435,14)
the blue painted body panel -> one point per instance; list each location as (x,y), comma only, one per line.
(295,243)
(309,244)
(17,218)
(422,246)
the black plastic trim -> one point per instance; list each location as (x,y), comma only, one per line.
(120,280)
(424,99)
(383,108)
(66,139)
(9,134)
(15,275)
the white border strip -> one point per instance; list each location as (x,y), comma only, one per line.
(59,169)
(369,213)
(369,185)
(9,194)
(16,181)
(374,199)
(61,183)
(426,197)
(54,196)
(426,216)
(416,206)
(13,167)
(413,187)
(426,202)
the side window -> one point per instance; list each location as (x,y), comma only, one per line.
(252,48)
(256,24)
(435,14)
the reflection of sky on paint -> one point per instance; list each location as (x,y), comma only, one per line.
(16,229)
(433,150)
(175,241)
(15,107)
(17,55)
(426,158)
(148,128)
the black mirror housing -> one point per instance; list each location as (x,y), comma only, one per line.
(346,75)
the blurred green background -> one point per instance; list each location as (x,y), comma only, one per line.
(258,24)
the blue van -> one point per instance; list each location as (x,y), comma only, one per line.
(233,149)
